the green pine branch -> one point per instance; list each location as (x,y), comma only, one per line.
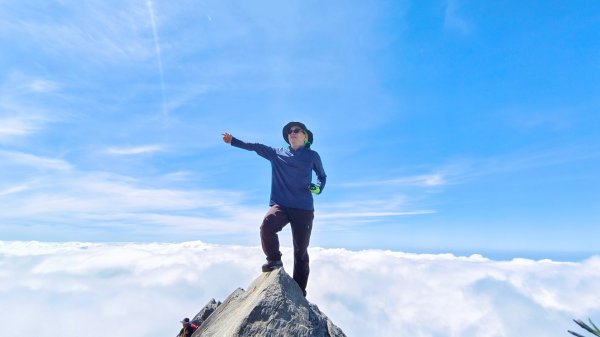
(593,328)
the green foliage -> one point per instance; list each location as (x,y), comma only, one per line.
(593,328)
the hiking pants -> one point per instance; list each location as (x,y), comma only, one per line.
(301,222)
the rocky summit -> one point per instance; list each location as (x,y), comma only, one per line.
(272,306)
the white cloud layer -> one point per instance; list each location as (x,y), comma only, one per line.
(124,289)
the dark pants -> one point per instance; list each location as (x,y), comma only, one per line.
(301,221)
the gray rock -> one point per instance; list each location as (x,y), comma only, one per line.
(208,309)
(272,306)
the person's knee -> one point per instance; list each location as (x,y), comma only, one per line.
(269,226)
(301,256)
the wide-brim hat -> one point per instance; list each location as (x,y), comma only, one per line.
(288,126)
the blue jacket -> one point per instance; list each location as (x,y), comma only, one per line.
(291,173)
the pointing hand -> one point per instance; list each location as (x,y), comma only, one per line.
(227,137)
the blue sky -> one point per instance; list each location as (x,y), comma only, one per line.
(444,126)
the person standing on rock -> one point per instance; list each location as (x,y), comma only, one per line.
(291,195)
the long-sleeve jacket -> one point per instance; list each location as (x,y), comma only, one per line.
(291,173)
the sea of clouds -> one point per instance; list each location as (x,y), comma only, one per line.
(135,289)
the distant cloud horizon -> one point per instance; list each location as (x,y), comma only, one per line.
(145,289)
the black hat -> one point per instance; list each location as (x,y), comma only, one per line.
(185,321)
(288,126)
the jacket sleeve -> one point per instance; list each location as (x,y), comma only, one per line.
(318,168)
(262,150)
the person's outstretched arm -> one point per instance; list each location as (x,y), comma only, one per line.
(262,150)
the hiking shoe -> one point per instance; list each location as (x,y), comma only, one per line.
(271,265)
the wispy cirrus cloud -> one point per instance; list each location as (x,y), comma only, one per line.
(412,195)
(99,31)
(425,180)
(465,169)
(21,114)
(14,189)
(60,193)
(161,71)
(11,127)
(351,210)
(453,20)
(545,119)
(40,85)
(372,214)
(135,150)
(461,170)
(34,161)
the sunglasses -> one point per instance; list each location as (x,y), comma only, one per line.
(295,131)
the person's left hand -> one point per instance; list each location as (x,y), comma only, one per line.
(227,137)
